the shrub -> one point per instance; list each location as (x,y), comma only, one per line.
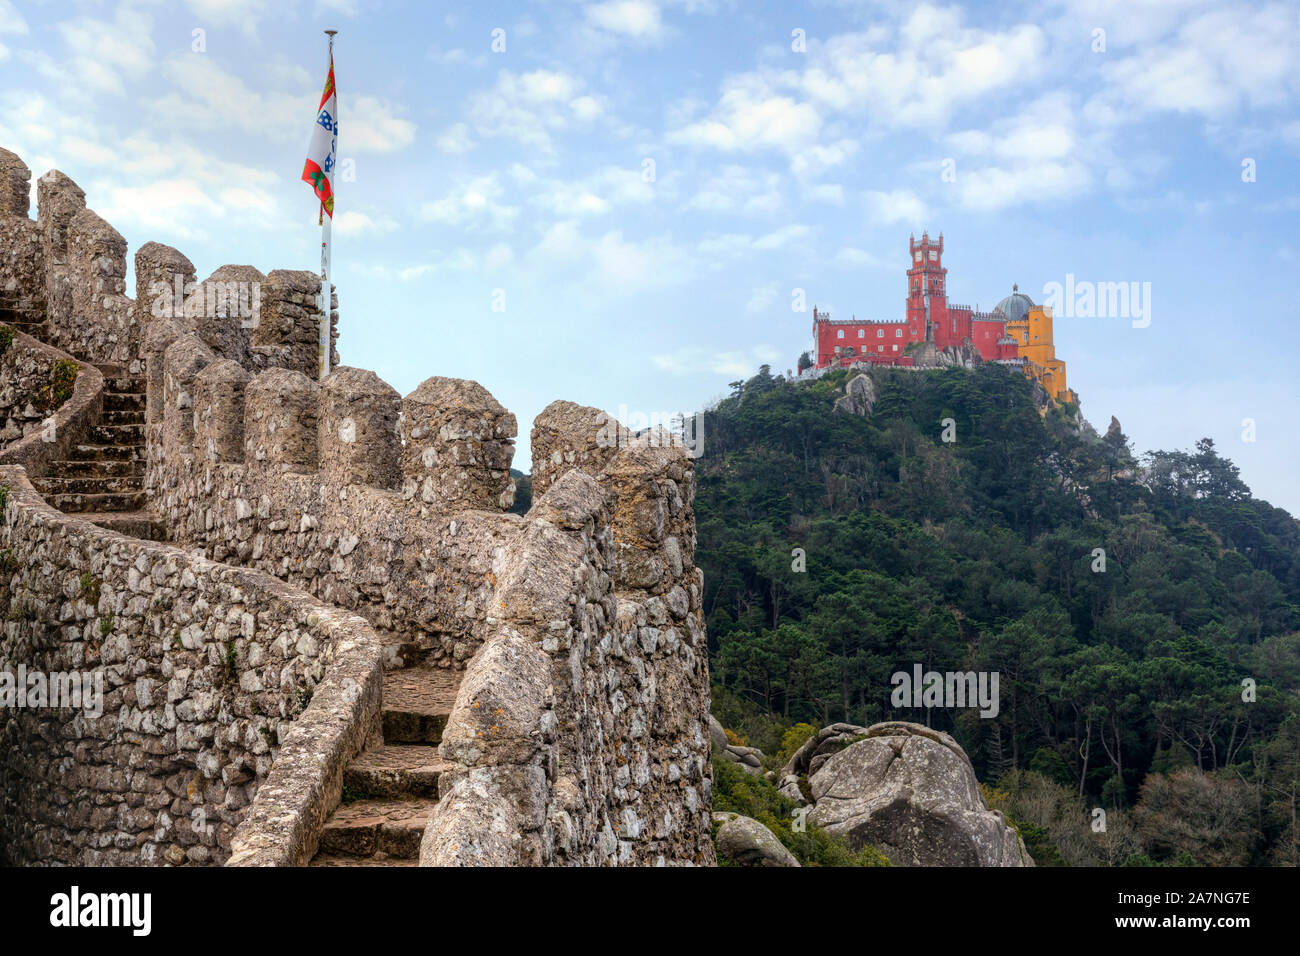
(792,740)
(63,378)
(750,795)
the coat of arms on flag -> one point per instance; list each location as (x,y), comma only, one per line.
(323,151)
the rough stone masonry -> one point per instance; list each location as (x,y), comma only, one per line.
(319,532)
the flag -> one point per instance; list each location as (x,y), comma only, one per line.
(323,151)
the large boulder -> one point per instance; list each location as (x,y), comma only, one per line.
(910,792)
(820,747)
(859,396)
(743,841)
(750,759)
(717,736)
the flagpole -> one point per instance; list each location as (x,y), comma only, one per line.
(326,222)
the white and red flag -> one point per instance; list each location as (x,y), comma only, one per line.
(322,154)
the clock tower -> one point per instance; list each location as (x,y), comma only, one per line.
(927,292)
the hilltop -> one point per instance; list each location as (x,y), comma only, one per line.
(1123,598)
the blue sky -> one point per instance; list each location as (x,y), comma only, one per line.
(639,187)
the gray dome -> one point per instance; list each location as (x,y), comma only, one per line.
(1015,306)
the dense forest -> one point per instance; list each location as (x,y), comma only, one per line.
(1142,612)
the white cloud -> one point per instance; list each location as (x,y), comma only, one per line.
(694,360)
(206,96)
(164,204)
(751,115)
(103,54)
(638,19)
(352,222)
(473,203)
(1035,156)
(763,298)
(456,139)
(917,72)
(371,125)
(595,195)
(738,189)
(611,261)
(814,158)
(780,238)
(11,21)
(244,14)
(896,206)
(530,107)
(855,258)
(830,193)
(1218,61)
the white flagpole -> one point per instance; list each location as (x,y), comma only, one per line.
(326,222)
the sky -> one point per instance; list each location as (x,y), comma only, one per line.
(631,203)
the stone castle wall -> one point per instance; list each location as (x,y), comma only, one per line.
(578,726)
(34,437)
(204,669)
(26,378)
(610,666)
(581,715)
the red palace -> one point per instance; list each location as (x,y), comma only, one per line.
(930,318)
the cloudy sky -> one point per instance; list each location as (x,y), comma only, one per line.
(623,203)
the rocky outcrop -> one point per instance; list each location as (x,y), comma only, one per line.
(743,841)
(927,355)
(859,396)
(905,789)
(810,757)
(750,759)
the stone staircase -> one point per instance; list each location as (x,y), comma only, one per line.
(26,315)
(103,481)
(390,790)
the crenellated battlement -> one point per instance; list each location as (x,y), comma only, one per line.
(575,631)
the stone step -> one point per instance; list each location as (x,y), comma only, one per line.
(137,524)
(77,504)
(417,703)
(124,401)
(97,468)
(396,771)
(117,434)
(379,859)
(128,416)
(35,329)
(366,827)
(56,484)
(119,380)
(101,452)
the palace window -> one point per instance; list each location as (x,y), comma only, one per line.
(860,332)
(880,333)
(898,333)
(839,333)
